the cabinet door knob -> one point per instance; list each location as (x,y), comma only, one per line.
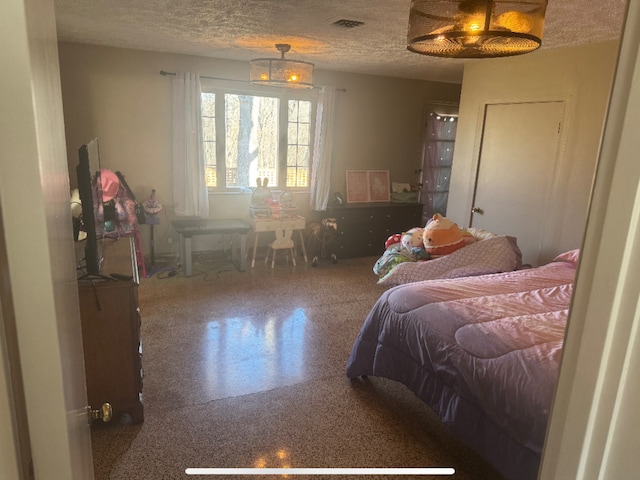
(477,210)
(105,413)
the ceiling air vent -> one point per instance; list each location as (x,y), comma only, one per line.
(346,23)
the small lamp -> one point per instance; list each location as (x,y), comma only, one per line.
(475,28)
(281,72)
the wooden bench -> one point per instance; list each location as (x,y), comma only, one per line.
(189,227)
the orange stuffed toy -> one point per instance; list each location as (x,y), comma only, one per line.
(441,236)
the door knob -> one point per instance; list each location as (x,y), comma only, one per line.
(104,413)
(477,210)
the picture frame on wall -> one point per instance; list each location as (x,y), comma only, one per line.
(368,186)
(357,186)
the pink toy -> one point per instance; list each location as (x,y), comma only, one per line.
(392,240)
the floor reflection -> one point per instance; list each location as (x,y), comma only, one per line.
(277,459)
(251,354)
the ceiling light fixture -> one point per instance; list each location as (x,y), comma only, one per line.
(475,28)
(346,23)
(280,72)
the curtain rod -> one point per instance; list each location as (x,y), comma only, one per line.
(164,74)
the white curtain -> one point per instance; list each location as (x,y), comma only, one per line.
(322,150)
(190,195)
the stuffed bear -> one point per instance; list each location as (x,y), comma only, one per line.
(441,236)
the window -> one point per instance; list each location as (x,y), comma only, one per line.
(437,162)
(249,135)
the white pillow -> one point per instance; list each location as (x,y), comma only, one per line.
(480,234)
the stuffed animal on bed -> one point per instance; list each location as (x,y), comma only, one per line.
(394,239)
(412,238)
(441,236)
(412,241)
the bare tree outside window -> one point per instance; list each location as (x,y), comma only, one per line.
(250,136)
(209,137)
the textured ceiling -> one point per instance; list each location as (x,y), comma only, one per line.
(246,29)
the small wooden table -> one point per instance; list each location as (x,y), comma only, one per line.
(271,225)
(188,228)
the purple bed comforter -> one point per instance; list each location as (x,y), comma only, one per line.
(483,352)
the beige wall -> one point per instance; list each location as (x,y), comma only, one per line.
(582,78)
(119,96)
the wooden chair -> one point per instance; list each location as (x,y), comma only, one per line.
(283,241)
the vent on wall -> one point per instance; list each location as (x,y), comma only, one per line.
(346,23)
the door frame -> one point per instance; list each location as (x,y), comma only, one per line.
(39,274)
(592,428)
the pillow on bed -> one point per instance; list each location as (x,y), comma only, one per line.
(513,241)
(479,234)
(572,256)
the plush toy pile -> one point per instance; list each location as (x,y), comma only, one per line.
(439,237)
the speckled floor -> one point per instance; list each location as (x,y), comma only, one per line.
(246,369)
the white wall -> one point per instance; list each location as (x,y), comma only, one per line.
(39,275)
(582,78)
(119,96)
(593,432)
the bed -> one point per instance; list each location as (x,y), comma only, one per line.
(483,352)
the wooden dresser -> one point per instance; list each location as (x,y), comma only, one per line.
(364,227)
(110,318)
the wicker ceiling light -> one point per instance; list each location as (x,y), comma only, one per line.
(475,28)
(280,72)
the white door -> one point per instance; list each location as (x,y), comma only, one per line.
(39,271)
(515,174)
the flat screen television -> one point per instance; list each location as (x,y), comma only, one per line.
(90,190)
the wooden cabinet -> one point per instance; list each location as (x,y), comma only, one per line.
(364,227)
(110,318)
